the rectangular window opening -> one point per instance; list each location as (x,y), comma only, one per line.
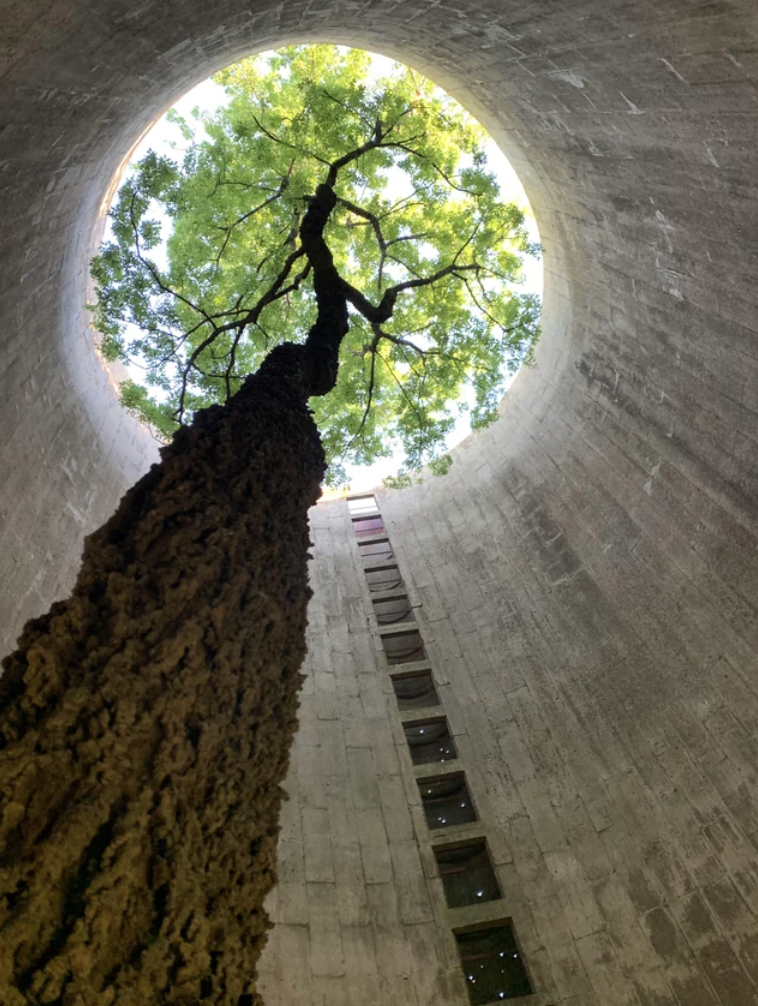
(368,525)
(376,551)
(446,801)
(361,506)
(466,873)
(393,611)
(430,741)
(415,691)
(492,964)
(388,578)
(404,647)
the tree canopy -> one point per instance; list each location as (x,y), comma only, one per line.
(205,269)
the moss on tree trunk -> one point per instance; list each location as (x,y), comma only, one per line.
(146,723)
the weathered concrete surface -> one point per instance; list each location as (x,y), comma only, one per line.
(592,556)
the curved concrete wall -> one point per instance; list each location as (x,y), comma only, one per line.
(586,576)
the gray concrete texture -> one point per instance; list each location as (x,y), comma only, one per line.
(585,578)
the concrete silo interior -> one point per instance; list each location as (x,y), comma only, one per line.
(584,581)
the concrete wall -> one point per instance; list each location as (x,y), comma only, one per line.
(586,575)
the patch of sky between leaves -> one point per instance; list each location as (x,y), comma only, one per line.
(165,138)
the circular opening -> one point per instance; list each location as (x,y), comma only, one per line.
(174,264)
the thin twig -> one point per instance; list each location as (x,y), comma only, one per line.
(246,216)
(147,264)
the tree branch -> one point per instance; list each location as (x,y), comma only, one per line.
(348,108)
(372,378)
(484,310)
(379,334)
(246,216)
(284,143)
(383,311)
(147,264)
(273,293)
(326,334)
(413,405)
(377,228)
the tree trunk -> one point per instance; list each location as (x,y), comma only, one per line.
(146,722)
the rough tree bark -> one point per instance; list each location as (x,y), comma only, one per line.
(146,722)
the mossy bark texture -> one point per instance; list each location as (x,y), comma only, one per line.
(146,723)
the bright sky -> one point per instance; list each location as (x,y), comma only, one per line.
(165,138)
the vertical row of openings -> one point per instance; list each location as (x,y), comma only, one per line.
(492,964)
(430,741)
(467,874)
(393,610)
(376,551)
(446,801)
(415,690)
(403,647)
(489,955)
